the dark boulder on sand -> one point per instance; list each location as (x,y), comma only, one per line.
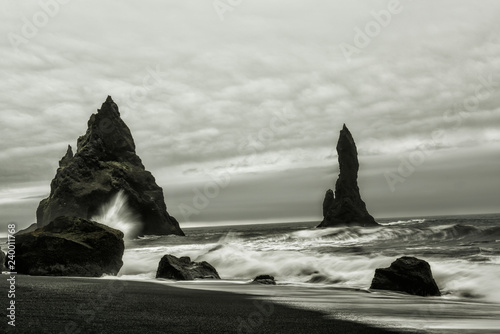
(70,246)
(407,274)
(264,279)
(105,162)
(182,269)
(345,207)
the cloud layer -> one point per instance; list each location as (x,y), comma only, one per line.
(260,96)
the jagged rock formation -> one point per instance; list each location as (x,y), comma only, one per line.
(407,274)
(105,163)
(346,207)
(183,269)
(70,246)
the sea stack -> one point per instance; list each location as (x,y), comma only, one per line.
(345,207)
(105,162)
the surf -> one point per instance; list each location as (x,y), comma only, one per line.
(117,214)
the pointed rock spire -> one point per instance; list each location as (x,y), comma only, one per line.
(67,157)
(346,207)
(105,163)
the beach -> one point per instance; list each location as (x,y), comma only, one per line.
(87,305)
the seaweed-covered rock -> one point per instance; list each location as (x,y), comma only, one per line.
(346,207)
(182,269)
(407,274)
(105,162)
(70,246)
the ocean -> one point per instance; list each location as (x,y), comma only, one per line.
(331,269)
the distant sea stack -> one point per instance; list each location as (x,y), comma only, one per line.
(345,207)
(105,162)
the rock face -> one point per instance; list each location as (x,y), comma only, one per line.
(346,207)
(264,279)
(183,269)
(407,274)
(105,162)
(30,228)
(70,246)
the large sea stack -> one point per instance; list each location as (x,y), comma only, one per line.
(105,162)
(345,207)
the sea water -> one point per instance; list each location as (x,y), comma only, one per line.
(330,270)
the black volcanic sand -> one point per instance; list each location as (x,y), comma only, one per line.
(85,305)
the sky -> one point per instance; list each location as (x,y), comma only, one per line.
(236,106)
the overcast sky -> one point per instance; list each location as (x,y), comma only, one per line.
(254,94)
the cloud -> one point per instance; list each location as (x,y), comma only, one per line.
(200,94)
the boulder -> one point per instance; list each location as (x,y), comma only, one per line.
(182,269)
(345,207)
(407,274)
(264,279)
(104,164)
(70,246)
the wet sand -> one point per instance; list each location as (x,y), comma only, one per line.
(81,305)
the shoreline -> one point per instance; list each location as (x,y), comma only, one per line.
(95,305)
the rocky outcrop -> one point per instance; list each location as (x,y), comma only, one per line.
(346,207)
(264,279)
(182,269)
(105,162)
(407,274)
(70,246)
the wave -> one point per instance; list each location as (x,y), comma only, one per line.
(464,262)
(149,237)
(235,259)
(404,222)
(360,235)
(118,215)
(468,280)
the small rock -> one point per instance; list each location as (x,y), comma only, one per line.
(265,279)
(407,274)
(183,269)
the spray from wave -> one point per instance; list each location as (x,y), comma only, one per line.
(118,215)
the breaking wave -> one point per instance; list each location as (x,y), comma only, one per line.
(404,222)
(118,215)
(323,258)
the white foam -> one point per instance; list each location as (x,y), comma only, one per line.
(404,222)
(118,215)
